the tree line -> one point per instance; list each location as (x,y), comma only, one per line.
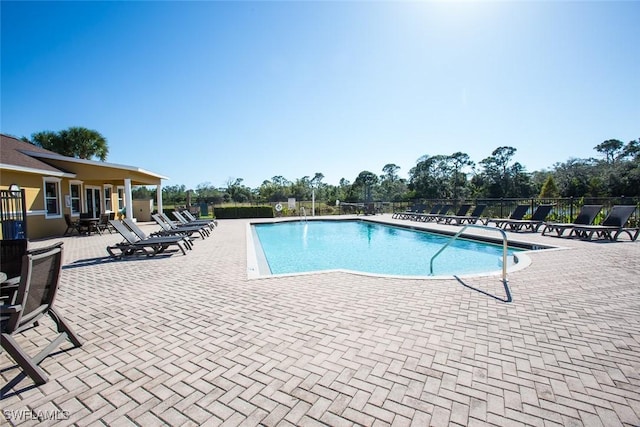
(614,172)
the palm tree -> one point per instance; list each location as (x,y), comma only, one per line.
(76,141)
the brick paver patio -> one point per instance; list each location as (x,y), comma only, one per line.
(189,340)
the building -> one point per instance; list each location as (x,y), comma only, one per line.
(56,185)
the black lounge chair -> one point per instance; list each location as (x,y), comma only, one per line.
(192,219)
(182,220)
(179,225)
(518,213)
(416,208)
(586,216)
(462,211)
(434,216)
(612,226)
(169,228)
(151,246)
(27,301)
(413,216)
(537,220)
(131,225)
(472,218)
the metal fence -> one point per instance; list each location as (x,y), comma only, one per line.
(564,209)
(13,214)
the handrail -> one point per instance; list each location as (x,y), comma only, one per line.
(504,247)
(304,212)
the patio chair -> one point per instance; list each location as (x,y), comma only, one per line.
(533,224)
(11,253)
(169,228)
(612,226)
(518,213)
(26,302)
(434,216)
(586,216)
(462,211)
(71,225)
(103,224)
(151,246)
(472,218)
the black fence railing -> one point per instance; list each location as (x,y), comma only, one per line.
(13,214)
(564,209)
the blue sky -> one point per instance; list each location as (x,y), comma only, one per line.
(205,92)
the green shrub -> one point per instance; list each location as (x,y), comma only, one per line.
(243,212)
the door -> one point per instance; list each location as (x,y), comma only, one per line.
(93,201)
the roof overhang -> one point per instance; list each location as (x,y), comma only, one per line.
(23,169)
(108,171)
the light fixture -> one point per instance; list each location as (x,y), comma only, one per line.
(15,190)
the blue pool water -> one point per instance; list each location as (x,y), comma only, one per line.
(300,246)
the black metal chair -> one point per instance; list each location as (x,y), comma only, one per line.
(71,225)
(29,300)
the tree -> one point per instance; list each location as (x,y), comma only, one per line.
(549,189)
(500,179)
(611,149)
(459,161)
(366,180)
(76,142)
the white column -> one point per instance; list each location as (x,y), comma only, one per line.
(159,196)
(128,200)
(313,202)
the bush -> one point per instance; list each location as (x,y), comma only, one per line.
(243,212)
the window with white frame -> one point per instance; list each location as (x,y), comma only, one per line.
(75,190)
(120,198)
(107,198)
(52,197)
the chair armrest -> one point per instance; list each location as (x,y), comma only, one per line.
(8,309)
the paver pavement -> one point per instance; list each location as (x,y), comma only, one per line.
(189,340)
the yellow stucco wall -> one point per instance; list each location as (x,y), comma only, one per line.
(38,225)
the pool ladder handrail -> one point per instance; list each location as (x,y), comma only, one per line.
(484,227)
(304,213)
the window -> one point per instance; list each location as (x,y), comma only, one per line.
(75,191)
(107,198)
(120,198)
(52,197)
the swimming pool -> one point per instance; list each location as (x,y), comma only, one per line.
(367,247)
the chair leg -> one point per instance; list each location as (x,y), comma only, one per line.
(64,327)
(24,361)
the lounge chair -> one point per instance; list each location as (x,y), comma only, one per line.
(131,225)
(586,216)
(182,220)
(415,215)
(177,225)
(612,226)
(537,220)
(151,246)
(472,218)
(192,219)
(170,229)
(434,216)
(27,301)
(462,211)
(518,213)
(416,208)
